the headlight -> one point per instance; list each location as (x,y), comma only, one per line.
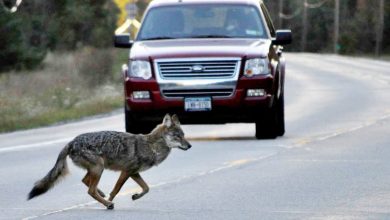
(140,69)
(256,67)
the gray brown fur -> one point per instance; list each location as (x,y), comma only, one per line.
(128,153)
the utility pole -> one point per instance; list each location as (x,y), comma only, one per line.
(336,25)
(280,14)
(304,27)
(379,32)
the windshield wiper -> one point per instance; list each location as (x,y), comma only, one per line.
(211,36)
(159,38)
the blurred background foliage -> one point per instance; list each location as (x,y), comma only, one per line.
(359,20)
(57,62)
(41,26)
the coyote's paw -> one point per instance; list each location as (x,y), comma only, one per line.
(110,206)
(136,196)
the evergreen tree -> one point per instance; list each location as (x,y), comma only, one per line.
(11,43)
(39,26)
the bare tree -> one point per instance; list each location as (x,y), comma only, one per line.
(379,33)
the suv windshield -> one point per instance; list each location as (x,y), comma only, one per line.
(202,21)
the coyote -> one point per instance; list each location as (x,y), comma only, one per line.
(128,153)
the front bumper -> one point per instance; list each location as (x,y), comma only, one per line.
(235,108)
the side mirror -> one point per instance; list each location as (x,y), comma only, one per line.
(123,41)
(283,37)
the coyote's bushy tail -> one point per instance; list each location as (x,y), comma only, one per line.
(59,169)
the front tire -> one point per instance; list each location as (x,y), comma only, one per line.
(271,125)
(280,117)
(135,126)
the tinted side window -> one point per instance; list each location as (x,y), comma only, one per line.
(268,20)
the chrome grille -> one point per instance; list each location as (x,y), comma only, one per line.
(197,69)
(198,93)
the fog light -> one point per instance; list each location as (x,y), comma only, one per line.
(255,93)
(141,95)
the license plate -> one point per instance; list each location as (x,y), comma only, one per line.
(197,104)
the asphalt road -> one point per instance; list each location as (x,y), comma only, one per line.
(333,162)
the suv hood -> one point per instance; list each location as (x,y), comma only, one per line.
(185,48)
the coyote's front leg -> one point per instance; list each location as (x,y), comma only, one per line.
(145,189)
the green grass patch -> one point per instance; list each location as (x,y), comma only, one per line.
(385,58)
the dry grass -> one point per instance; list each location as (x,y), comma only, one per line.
(385,58)
(69,86)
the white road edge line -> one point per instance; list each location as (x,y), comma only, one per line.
(344,131)
(36,145)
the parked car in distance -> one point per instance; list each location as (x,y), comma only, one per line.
(208,61)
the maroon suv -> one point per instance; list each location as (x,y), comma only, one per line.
(209,61)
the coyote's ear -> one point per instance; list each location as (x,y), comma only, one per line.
(167,120)
(175,120)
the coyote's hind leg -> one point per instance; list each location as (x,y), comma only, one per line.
(94,177)
(86,181)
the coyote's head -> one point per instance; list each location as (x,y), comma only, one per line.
(174,135)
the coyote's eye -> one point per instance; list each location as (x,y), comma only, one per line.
(176,136)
